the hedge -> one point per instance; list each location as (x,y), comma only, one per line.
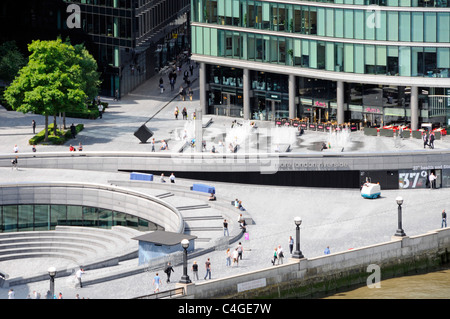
(61,138)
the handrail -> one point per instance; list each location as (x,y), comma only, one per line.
(164,294)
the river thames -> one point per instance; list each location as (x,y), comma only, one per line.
(433,285)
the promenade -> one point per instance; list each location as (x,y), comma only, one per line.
(338,218)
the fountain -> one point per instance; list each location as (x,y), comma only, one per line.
(339,139)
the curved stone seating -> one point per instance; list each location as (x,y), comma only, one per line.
(78,244)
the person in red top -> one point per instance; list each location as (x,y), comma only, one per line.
(71,148)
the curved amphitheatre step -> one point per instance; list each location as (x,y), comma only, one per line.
(99,244)
(74,243)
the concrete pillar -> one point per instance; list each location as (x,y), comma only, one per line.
(202,88)
(340,102)
(414,104)
(198,128)
(246,94)
(292,113)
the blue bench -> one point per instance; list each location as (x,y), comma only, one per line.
(141,177)
(203,188)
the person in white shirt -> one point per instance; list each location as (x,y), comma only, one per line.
(172,178)
(78,274)
(280,255)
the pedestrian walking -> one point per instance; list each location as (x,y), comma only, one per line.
(327,250)
(11,294)
(176,112)
(191,94)
(78,275)
(274,256)
(116,95)
(280,255)
(33,125)
(100,109)
(208,268)
(73,130)
(432,138)
(425,139)
(228,257)
(235,257)
(225,228)
(195,270)
(16,148)
(156,283)
(240,250)
(15,162)
(168,270)
(291,244)
(153,145)
(444,219)
(184,113)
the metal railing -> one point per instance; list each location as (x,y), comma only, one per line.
(176,292)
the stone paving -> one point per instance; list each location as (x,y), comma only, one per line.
(338,218)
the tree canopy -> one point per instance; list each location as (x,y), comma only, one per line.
(58,78)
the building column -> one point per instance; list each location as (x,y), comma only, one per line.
(292,96)
(202,88)
(414,104)
(340,102)
(246,94)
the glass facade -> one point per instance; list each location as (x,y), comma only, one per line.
(373,40)
(368,24)
(323,55)
(15,218)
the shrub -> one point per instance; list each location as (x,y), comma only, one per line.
(59,139)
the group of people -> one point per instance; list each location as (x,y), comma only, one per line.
(234,256)
(183,112)
(171,178)
(73,149)
(428,139)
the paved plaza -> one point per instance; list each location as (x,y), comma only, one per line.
(338,218)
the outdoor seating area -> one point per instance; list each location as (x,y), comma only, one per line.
(305,124)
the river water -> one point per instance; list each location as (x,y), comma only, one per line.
(434,285)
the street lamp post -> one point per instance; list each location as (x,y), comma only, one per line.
(52,274)
(297,253)
(185,278)
(399,231)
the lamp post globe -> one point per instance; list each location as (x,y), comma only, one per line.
(297,253)
(185,278)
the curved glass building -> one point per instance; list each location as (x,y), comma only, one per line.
(373,62)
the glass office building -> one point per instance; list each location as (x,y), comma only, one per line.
(132,39)
(376,62)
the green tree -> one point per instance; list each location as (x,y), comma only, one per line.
(52,82)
